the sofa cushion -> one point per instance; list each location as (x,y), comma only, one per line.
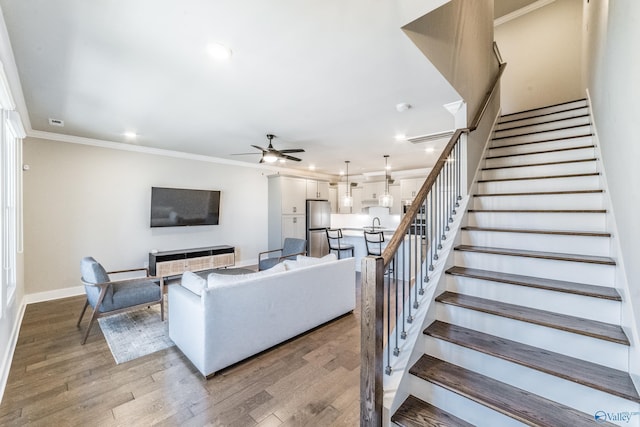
(217,280)
(193,282)
(306,261)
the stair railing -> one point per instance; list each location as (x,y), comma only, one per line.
(393,282)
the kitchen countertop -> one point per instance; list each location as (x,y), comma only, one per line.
(358,231)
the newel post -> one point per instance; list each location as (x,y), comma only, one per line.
(371,330)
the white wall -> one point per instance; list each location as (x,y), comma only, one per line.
(82,200)
(543,50)
(612,71)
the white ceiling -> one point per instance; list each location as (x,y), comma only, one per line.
(324,76)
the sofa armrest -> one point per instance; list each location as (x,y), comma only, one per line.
(186,324)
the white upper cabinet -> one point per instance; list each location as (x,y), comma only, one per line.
(317,189)
(294,195)
(409,188)
(372,190)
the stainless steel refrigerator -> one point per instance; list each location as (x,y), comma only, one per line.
(318,219)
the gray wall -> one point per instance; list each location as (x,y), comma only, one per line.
(612,70)
(82,200)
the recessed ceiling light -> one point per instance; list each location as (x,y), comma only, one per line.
(341,173)
(429,150)
(219,52)
(402,107)
(130,135)
(400,137)
(312,167)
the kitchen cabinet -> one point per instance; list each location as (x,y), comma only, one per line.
(396,208)
(372,190)
(293,226)
(316,189)
(293,194)
(356,193)
(409,187)
(333,198)
(287,206)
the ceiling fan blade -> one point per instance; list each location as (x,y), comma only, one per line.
(292,150)
(259,148)
(244,154)
(295,159)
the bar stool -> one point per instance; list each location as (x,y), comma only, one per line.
(333,238)
(374,240)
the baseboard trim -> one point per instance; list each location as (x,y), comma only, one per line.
(7,357)
(53,295)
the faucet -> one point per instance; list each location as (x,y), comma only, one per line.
(373,223)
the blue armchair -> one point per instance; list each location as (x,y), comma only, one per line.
(290,249)
(108,297)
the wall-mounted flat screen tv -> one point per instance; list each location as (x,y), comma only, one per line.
(176,207)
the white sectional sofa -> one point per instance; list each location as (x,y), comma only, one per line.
(225,319)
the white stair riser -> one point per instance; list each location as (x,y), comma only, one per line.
(570,344)
(581,272)
(553,156)
(591,182)
(543,127)
(549,117)
(580,397)
(545,110)
(541,170)
(585,307)
(540,146)
(582,245)
(544,136)
(587,201)
(461,407)
(587,222)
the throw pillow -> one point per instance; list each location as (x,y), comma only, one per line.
(217,280)
(305,261)
(193,282)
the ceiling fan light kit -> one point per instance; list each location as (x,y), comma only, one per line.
(271,155)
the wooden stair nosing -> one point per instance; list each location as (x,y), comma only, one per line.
(518,144)
(556,256)
(554,285)
(537,116)
(561,162)
(589,374)
(547,106)
(524,178)
(586,327)
(539,193)
(513,402)
(499,138)
(555,150)
(548,232)
(575,211)
(415,412)
(545,122)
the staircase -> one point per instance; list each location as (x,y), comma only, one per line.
(528,330)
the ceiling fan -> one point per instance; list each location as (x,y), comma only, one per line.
(271,155)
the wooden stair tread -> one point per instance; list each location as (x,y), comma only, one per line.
(540,193)
(415,412)
(583,289)
(562,162)
(541,122)
(546,107)
(551,232)
(590,259)
(562,138)
(522,178)
(599,211)
(563,322)
(511,401)
(498,138)
(555,150)
(593,375)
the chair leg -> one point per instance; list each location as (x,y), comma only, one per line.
(94,316)
(162,308)
(86,303)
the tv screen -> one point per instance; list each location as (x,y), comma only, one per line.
(175,207)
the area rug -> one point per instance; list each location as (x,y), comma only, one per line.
(136,333)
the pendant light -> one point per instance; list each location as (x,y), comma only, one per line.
(347,200)
(386,200)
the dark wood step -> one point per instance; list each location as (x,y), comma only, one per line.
(563,322)
(543,122)
(513,402)
(499,138)
(572,211)
(555,256)
(415,412)
(540,193)
(524,178)
(583,289)
(562,162)
(548,232)
(506,120)
(517,144)
(542,108)
(593,375)
(556,150)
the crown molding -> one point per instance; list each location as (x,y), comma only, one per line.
(521,12)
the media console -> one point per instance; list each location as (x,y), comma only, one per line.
(173,263)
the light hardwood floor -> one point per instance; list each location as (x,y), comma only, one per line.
(312,380)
